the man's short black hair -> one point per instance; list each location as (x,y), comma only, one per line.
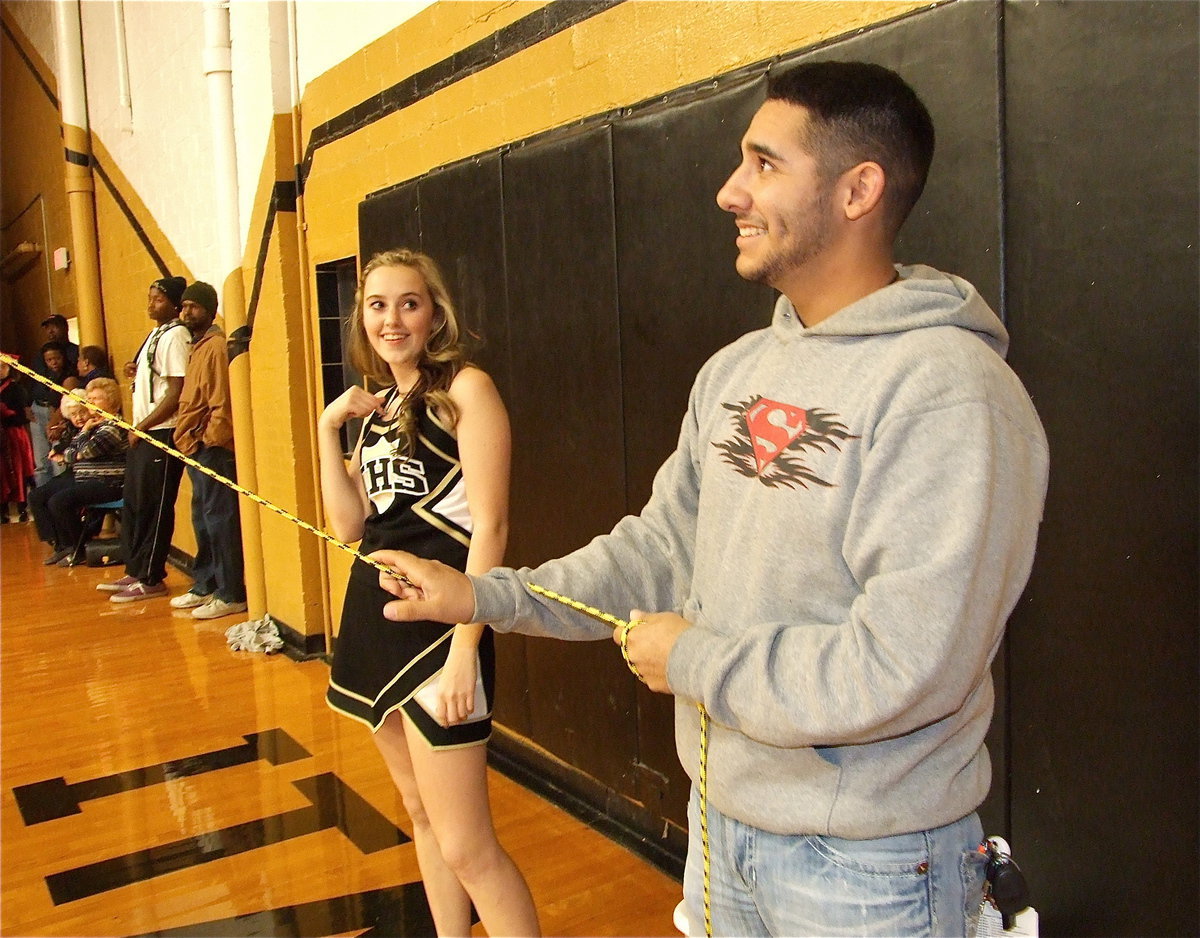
(858,112)
(95,355)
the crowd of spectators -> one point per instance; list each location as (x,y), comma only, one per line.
(62,456)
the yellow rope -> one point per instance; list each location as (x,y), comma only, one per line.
(384,568)
(702,788)
(702,772)
(187,460)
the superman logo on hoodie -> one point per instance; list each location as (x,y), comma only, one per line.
(771,441)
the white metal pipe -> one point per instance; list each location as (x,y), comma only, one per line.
(72,90)
(293,35)
(218,71)
(124,97)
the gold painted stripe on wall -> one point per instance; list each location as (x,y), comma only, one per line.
(78,142)
(38,68)
(632,52)
(433,35)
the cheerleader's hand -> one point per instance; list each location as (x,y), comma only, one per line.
(425,589)
(354,402)
(456,688)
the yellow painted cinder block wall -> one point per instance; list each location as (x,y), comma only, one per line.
(128,267)
(283,405)
(630,53)
(33,167)
(32,193)
(127,270)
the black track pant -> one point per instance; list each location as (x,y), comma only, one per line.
(151,485)
(57,505)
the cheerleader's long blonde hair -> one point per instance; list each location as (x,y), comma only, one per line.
(445,353)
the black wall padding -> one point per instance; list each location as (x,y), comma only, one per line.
(454,215)
(388,220)
(680,298)
(462,228)
(568,457)
(951,58)
(680,301)
(1102,249)
(1065,188)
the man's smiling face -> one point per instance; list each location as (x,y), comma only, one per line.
(778,197)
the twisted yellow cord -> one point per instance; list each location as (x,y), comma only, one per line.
(577,605)
(384,568)
(625,650)
(702,788)
(187,460)
(702,773)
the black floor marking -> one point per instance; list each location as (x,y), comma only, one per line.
(334,804)
(400,911)
(53,798)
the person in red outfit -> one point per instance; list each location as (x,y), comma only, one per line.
(16,448)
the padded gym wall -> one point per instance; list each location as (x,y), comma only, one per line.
(600,379)
(1101,103)
(616,281)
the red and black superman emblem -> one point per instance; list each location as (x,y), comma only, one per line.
(773,440)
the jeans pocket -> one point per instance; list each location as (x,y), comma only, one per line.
(899,855)
(974,875)
(865,887)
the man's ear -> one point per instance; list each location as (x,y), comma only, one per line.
(863,186)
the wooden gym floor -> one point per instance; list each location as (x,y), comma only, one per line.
(156,783)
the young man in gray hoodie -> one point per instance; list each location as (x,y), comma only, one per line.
(831,553)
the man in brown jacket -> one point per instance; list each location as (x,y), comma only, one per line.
(204,431)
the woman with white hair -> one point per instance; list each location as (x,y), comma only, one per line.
(96,458)
(75,414)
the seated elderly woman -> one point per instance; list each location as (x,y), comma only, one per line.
(96,458)
(75,414)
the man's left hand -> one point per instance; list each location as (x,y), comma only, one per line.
(649,645)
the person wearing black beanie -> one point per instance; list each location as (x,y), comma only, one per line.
(152,477)
(172,288)
(203,294)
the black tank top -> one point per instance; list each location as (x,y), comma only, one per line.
(419,502)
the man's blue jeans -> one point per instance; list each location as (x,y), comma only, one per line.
(218,568)
(927,883)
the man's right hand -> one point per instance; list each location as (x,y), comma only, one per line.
(426,589)
(130,369)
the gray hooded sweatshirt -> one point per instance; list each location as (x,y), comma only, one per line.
(847,521)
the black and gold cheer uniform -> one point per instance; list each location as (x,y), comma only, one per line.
(419,504)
